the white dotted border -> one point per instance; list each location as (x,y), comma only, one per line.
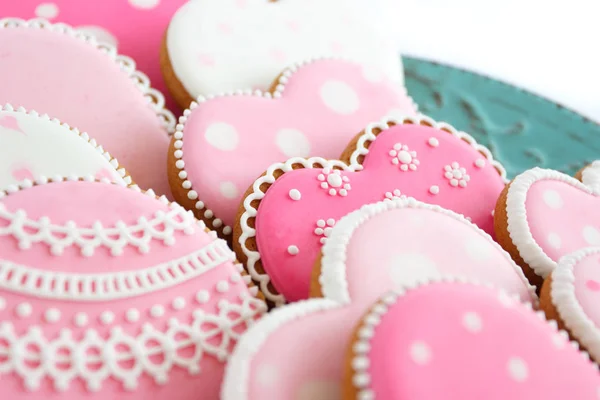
(361,378)
(517,224)
(83,135)
(277,93)
(155,98)
(362,149)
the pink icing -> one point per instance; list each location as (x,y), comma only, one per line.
(587,285)
(274,234)
(487,350)
(10,122)
(317,360)
(27,302)
(229,141)
(113,22)
(560,218)
(104,102)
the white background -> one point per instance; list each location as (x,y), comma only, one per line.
(550,47)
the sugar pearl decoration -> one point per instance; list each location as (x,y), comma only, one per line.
(293,250)
(434,189)
(202,296)
(433,142)
(295,194)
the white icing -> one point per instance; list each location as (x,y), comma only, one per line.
(472,322)
(591,176)
(433,142)
(552,199)
(480,163)
(107,317)
(52,315)
(23,310)
(404,158)
(47,10)
(334,182)
(293,250)
(591,235)
(339,97)
(228,190)
(456,175)
(202,296)
(517,369)
(292,143)
(395,194)
(221,136)
(295,194)
(420,353)
(434,189)
(209,59)
(80,319)
(554,240)
(43,146)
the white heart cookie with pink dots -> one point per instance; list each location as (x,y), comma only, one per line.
(224,143)
(33,145)
(546,215)
(289,212)
(299,348)
(220,46)
(490,348)
(107,292)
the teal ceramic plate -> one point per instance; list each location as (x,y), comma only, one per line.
(522,130)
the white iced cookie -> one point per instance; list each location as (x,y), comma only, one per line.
(34,145)
(219,46)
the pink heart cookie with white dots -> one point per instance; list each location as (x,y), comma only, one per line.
(297,351)
(544,215)
(570,295)
(224,143)
(57,70)
(489,349)
(108,292)
(289,211)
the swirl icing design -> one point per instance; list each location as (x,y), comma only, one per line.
(85,83)
(33,145)
(549,215)
(227,141)
(107,292)
(443,167)
(380,247)
(204,39)
(519,355)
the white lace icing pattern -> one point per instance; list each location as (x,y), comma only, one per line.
(121,356)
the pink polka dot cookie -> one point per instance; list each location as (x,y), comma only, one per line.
(491,348)
(380,247)
(111,21)
(108,292)
(65,73)
(289,212)
(543,215)
(570,296)
(224,143)
(34,145)
(221,46)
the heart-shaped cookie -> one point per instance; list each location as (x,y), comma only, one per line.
(289,211)
(570,296)
(220,46)
(488,350)
(297,351)
(33,145)
(543,215)
(224,143)
(67,74)
(108,292)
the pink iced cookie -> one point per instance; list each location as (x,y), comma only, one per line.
(546,215)
(572,291)
(135,27)
(108,292)
(34,145)
(225,142)
(297,351)
(293,210)
(58,71)
(462,341)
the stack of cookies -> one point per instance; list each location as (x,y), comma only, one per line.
(298,231)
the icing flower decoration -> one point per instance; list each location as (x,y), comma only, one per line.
(456,175)
(224,142)
(367,170)
(520,355)
(108,292)
(404,158)
(544,215)
(377,248)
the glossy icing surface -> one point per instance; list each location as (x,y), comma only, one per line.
(218,46)
(103,283)
(318,107)
(507,351)
(37,65)
(32,146)
(429,164)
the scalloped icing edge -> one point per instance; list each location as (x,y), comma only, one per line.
(156,99)
(365,329)
(42,180)
(332,279)
(121,171)
(562,293)
(253,257)
(277,92)
(517,225)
